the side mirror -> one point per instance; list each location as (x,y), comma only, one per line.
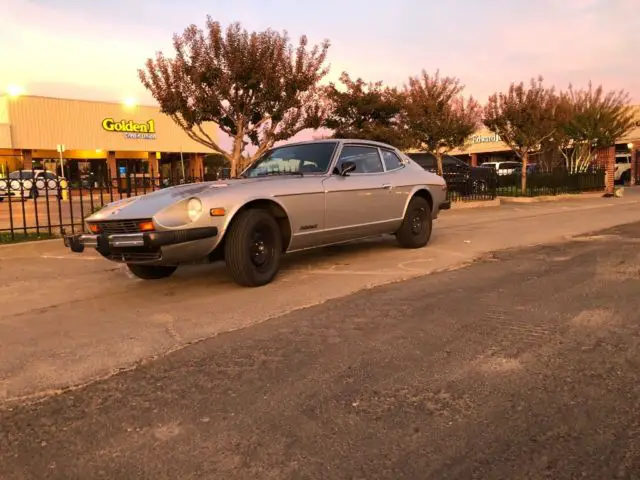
(346,168)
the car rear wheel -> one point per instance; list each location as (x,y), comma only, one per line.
(415,230)
(151,272)
(253,248)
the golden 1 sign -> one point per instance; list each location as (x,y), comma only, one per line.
(131,129)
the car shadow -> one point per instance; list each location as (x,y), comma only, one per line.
(207,276)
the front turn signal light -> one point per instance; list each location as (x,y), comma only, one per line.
(94,227)
(146,226)
(217,212)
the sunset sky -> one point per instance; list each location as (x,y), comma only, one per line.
(91,49)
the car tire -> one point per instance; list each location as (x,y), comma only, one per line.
(480,186)
(253,248)
(33,194)
(625,178)
(416,227)
(151,272)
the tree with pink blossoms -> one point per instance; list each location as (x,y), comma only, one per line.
(438,115)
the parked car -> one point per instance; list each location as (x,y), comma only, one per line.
(531,168)
(622,172)
(25,184)
(503,168)
(295,197)
(460,176)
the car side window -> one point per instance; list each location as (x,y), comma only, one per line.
(391,160)
(50,176)
(366,159)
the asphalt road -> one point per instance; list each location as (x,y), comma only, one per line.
(68,319)
(522,365)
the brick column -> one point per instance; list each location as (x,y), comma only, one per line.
(474,159)
(196,166)
(111,164)
(606,158)
(154,164)
(27,160)
(635,156)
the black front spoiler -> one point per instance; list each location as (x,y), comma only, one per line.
(104,243)
(445,205)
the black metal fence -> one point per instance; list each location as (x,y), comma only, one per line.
(39,204)
(466,189)
(556,182)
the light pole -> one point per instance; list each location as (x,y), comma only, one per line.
(61,149)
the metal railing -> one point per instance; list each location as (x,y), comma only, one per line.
(37,204)
(464,189)
(556,182)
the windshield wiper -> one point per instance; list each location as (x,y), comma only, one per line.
(268,174)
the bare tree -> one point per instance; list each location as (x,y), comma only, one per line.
(438,116)
(525,118)
(254,86)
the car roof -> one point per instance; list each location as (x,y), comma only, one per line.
(339,140)
(429,155)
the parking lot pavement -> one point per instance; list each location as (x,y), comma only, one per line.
(68,319)
(522,366)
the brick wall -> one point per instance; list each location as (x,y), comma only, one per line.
(606,158)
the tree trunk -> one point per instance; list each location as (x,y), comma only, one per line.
(236,154)
(523,174)
(439,162)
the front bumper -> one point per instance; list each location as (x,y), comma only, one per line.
(105,243)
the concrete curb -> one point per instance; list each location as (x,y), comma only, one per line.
(475,204)
(552,198)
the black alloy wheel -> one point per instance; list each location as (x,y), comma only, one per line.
(253,248)
(417,224)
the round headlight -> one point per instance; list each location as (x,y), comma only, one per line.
(194,208)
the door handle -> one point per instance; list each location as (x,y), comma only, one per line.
(387,186)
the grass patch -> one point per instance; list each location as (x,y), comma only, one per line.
(19,237)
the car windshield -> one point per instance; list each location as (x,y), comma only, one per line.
(24,174)
(488,165)
(294,159)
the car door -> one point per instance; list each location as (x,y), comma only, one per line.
(356,204)
(398,189)
(510,167)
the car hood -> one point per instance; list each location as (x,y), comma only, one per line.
(147,205)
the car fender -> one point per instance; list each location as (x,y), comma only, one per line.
(240,205)
(436,198)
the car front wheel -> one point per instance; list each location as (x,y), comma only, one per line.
(253,248)
(415,230)
(151,272)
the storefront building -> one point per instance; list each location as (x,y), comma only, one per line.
(485,146)
(95,142)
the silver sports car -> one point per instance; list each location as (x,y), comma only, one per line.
(295,197)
